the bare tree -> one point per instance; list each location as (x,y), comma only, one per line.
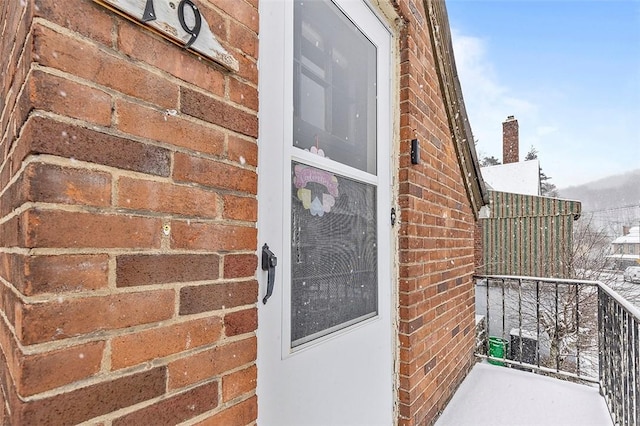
(565,315)
(588,258)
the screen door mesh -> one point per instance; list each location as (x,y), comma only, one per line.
(334,280)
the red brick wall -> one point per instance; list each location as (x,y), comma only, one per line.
(127,219)
(436,239)
(510,141)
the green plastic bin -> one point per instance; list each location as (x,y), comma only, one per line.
(497,349)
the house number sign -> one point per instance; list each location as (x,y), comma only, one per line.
(180,21)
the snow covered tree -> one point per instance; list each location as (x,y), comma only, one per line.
(489,161)
(532,154)
(547,188)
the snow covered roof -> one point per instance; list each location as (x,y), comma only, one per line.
(632,237)
(517,178)
(623,256)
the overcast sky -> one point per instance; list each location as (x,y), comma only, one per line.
(569,71)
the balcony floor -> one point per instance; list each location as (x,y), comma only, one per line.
(495,395)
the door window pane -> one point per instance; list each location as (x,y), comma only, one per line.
(334,86)
(334,274)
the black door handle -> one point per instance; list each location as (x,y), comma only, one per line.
(269,262)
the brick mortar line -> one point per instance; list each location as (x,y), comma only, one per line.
(121,212)
(176,311)
(114,51)
(111,274)
(105,362)
(231,18)
(114,94)
(118,251)
(109,375)
(112,375)
(117,174)
(219,409)
(426,251)
(191,119)
(115,179)
(16,250)
(424,275)
(165,238)
(116,132)
(18,132)
(228,44)
(84,383)
(108,291)
(69,208)
(172,170)
(109,335)
(8,113)
(17,43)
(222,406)
(119,134)
(225,99)
(113,415)
(12,330)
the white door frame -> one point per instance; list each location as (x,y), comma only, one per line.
(276,116)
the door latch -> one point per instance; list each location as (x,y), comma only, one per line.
(269,262)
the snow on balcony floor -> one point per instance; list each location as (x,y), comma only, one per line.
(495,395)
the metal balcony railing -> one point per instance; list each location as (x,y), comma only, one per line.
(576,330)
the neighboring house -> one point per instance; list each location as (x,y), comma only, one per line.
(527,235)
(625,250)
(513,176)
(520,232)
(214,212)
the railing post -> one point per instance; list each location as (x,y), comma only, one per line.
(538,323)
(577,330)
(519,320)
(555,335)
(503,309)
(488,320)
(636,370)
(600,340)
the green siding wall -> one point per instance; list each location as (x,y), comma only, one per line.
(528,235)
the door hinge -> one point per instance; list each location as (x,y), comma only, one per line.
(393,216)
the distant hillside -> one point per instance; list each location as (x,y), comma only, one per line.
(610,192)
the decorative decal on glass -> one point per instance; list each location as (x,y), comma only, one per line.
(316,150)
(320,196)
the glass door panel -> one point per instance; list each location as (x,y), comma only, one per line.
(334,92)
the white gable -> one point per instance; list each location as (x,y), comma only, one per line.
(517,178)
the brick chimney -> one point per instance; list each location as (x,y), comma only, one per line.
(510,140)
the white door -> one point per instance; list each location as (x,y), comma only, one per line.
(325,342)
